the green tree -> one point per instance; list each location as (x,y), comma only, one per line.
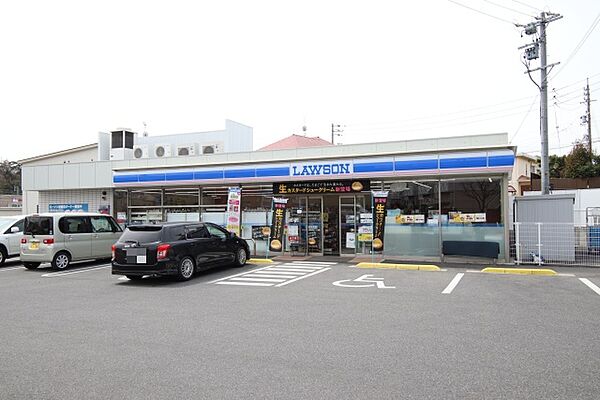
(557,166)
(10,177)
(579,163)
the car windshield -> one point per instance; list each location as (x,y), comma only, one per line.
(141,234)
(38,226)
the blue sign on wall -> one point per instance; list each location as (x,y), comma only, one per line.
(68,207)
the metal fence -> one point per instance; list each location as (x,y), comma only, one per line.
(555,243)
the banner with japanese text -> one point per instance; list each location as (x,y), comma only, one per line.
(233,210)
(322,187)
(278,221)
(379,211)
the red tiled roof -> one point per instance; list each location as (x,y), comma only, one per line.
(296,141)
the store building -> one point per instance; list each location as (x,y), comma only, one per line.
(438,189)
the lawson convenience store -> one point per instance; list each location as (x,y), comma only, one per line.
(446,189)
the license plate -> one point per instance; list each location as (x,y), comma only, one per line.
(136,255)
(34,246)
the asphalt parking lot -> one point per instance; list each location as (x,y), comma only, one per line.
(299,330)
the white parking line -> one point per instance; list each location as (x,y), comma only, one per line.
(281,272)
(242,279)
(295,264)
(453,283)
(243,283)
(313,262)
(266,274)
(292,270)
(10,269)
(302,277)
(241,273)
(79,271)
(589,284)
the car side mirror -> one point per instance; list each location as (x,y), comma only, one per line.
(14,229)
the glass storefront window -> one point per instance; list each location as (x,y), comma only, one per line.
(214,204)
(411,224)
(182,197)
(145,198)
(471,210)
(256,216)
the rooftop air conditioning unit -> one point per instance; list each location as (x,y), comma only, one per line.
(212,148)
(162,150)
(140,151)
(186,150)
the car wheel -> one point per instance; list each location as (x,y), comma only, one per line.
(186,269)
(134,277)
(61,260)
(241,257)
(31,265)
(3,255)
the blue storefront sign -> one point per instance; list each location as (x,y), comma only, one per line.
(68,207)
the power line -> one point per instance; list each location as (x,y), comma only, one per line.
(429,117)
(580,44)
(527,5)
(417,129)
(575,83)
(574,90)
(524,118)
(559,148)
(508,8)
(481,12)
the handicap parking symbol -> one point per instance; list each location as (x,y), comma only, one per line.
(363,281)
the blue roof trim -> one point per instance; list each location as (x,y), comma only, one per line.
(374,167)
(456,162)
(501,161)
(199,175)
(266,172)
(240,173)
(152,177)
(410,165)
(463,162)
(180,176)
(125,178)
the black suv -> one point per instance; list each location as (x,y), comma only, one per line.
(178,249)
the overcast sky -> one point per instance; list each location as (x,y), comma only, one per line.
(387,70)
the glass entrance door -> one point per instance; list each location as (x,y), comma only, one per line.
(314,225)
(304,225)
(347,225)
(331,243)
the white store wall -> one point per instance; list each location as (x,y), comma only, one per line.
(91,197)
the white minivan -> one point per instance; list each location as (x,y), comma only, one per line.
(11,231)
(60,238)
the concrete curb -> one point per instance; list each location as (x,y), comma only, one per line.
(408,267)
(520,271)
(260,261)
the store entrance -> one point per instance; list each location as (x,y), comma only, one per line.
(305,226)
(313,225)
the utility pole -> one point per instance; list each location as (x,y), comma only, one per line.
(587,118)
(336,130)
(532,51)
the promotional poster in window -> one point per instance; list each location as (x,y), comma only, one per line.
(276,238)
(379,210)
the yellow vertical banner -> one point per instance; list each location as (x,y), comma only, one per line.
(379,212)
